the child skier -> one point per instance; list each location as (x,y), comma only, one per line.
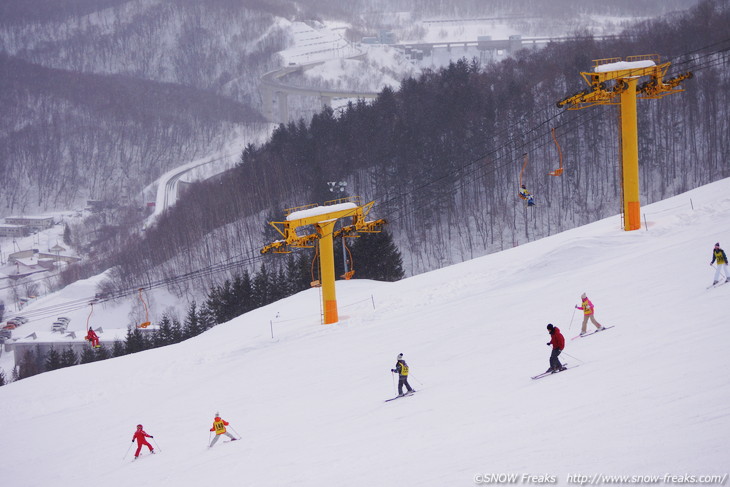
(719,255)
(588,313)
(140,436)
(219,426)
(557,340)
(402,369)
(93,338)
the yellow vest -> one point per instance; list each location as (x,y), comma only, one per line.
(403,369)
(220,428)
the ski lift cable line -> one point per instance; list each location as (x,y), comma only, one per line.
(474,163)
(503,146)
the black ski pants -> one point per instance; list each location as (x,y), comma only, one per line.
(403,380)
(554,362)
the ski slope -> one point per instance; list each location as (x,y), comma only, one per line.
(651,396)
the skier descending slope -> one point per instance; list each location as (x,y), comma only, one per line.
(557,340)
(588,313)
(140,436)
(719,255)
(401,368)
(219,426)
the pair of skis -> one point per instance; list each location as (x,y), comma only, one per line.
(407,394)
(593,332)
(549,373)
(718,284)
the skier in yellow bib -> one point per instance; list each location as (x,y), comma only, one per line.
(401,367)
(719,256)
(219,426)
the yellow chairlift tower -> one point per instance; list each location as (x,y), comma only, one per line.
(323,219)
(615,81)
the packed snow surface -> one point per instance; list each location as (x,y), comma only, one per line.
(650,396)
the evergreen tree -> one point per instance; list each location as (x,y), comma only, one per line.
(2,378)
(163,335)
(118,349)
(242,291)
(191,325)
(69,358)
(30,364)
(135,341)
(206,319)
(53,360)
(101,353)
(176,334)
(87,356)
(299,271)
(261,288)
(376,257)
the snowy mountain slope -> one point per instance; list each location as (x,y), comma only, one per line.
(650,396)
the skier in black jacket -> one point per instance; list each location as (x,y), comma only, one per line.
(719,255)
(401,367)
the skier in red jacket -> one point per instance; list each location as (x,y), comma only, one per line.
(557,340)
(219,426)
(140,435)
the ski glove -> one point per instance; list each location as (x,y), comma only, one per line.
(151,436)
(393,370)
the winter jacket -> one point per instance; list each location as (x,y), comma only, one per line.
(92,336)
(402,368)
(719,255)
(140,435)
(557,340)
(219,426)
(586,306)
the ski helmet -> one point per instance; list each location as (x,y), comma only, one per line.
(139,426)
(550,326)
(400,356)
(217,414)
(583,296)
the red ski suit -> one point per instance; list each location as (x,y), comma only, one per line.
(140,435)
(92,337)
(557,340)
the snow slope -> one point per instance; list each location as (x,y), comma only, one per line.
(651,396)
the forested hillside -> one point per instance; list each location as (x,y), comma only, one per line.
(107,96)
(442,156)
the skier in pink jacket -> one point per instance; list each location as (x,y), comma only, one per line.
(588,313)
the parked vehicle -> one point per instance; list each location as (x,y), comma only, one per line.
(5,333)
(63,319)
(10,326)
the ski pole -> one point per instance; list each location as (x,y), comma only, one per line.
(412,377)
(571,318)
(156,445)
(576,358)
(127,452)
(234,430)
(209,433)
(392,376)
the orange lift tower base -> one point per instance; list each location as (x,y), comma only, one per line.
(323,219)
(614,81)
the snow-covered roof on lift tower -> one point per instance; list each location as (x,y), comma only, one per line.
(604,68)
(319,210)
